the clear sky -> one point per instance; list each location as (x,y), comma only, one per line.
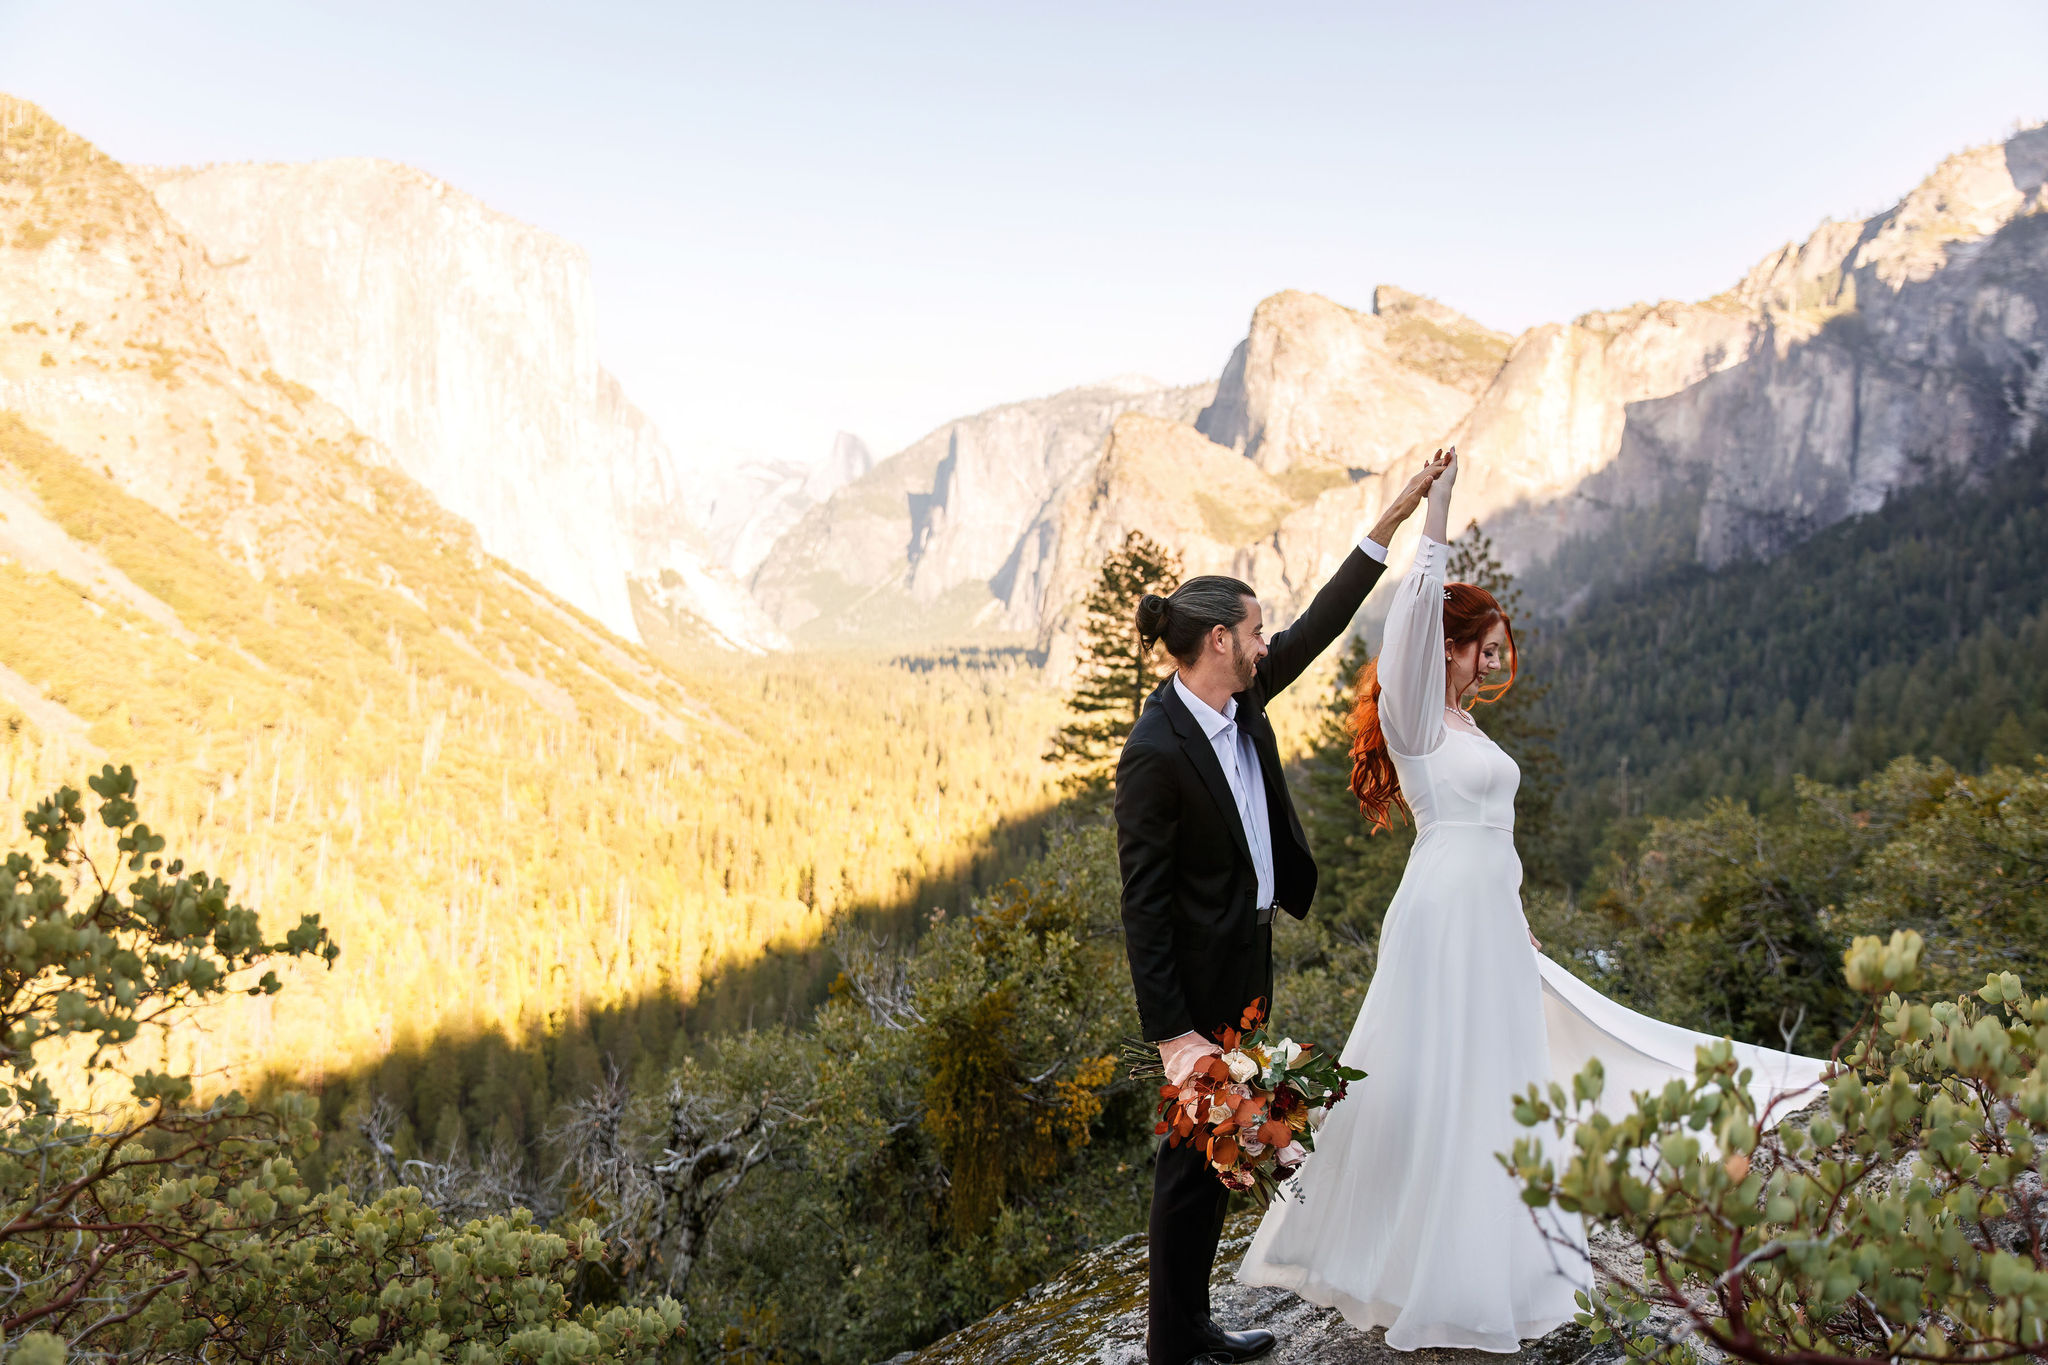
(877,216)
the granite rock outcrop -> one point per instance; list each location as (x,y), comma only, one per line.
(116,346)
(1093,1313)
(746,506)
(1839,368)
(996,523)
(124,351)
(1836,370)
(927,541)
(1317,386)
(464,342)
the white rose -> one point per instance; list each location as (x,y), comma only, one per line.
(1290,1155)
(1242,1068)
(1285,1051)
(1316,1115)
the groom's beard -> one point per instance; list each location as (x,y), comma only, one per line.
(1242,663)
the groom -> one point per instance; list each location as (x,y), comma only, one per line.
(1209,847)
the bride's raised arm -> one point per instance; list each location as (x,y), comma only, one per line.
(1412,655)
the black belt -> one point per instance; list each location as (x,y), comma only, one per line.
(1266,913)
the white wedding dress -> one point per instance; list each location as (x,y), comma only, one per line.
(1402,1217)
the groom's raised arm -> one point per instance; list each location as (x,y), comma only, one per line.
(1295,648)
(1147,828)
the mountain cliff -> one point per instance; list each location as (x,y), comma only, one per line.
(1834,372)
(746,506)
(1837,370)
(112,348)
(1315,385)
(997,522)
(1277,477)
(464,342)
(929,539)
(1860,361)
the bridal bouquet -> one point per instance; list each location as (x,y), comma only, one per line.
(1254,1110)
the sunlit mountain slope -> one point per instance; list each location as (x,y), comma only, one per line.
(506,813)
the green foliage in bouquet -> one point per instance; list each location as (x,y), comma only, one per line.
(1903,1219)
(165,1229)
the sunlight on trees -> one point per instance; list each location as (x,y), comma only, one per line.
(160,1229)
(510,818)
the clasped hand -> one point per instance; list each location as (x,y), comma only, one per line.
(1411,495)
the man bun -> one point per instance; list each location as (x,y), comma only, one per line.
(1197,607)
(1155,613)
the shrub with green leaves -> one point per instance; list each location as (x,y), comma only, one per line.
(1900,1217)
(1733,920)
(172,1230)
(391,1282)
(102,964)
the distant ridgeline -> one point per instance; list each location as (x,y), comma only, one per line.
(1918,629)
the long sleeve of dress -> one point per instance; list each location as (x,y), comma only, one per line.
(1412,656)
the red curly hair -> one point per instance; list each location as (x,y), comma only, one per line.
(1469,613)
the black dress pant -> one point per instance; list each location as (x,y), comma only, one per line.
(1188,1204)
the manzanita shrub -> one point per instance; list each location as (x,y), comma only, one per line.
(1899,1216)
(165,1229)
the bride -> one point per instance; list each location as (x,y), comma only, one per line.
(1403,1218)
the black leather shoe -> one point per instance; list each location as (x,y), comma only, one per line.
(1217,1344)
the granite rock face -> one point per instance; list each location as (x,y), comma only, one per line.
(1838,369)
(1093,1313)
(464,341)
(1219,512)
(1316,386)
(125,352)
(926,539)
(746,507)
(119,347)
(998,522)
(1307,439)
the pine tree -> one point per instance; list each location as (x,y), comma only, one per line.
(1117,671)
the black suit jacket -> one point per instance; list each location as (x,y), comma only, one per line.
(1198,953)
